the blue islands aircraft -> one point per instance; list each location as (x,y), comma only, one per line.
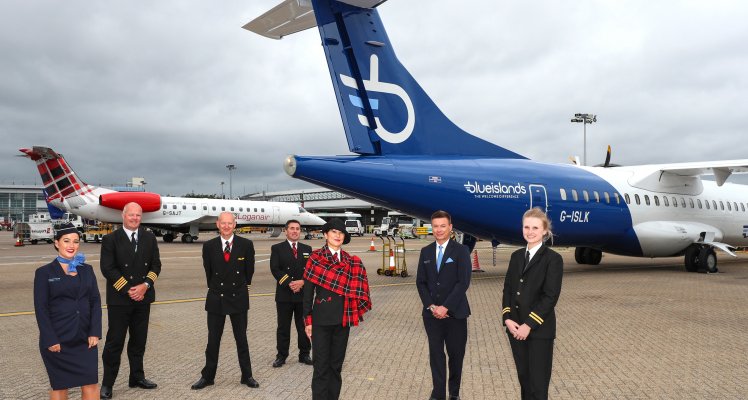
(412,158)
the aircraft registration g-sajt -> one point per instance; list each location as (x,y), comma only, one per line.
(173,215)
(412,158)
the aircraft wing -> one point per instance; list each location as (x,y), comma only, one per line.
(656,177)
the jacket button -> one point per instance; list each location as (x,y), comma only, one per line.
(146,264)
(222,285)
(125,265)
(221,294)
(438,284)
(516,306)
(237,272)
(521,280)
(517,293)
(130,277)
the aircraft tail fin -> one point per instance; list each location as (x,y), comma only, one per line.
(383,108)
(60,181)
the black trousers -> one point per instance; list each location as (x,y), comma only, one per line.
(216,323)
(286,312)
(329,343)
(533,359)
(121,319)
(452,334)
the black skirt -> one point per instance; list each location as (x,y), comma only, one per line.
(75,365)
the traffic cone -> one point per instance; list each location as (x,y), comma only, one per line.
(19,241)
(476,263)
(392,260)
(371,245)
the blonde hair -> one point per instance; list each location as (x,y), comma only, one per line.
(536,212)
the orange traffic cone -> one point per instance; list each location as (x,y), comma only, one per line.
(476,263)
(371,245)
(19,241)
(392,260)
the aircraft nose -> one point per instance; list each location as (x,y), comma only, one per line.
(289,165)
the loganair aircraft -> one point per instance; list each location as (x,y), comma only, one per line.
(412,158)
(64,190)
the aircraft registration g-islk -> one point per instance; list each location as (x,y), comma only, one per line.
(412,158)
(174,215)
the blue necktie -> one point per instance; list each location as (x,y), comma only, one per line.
(439,259)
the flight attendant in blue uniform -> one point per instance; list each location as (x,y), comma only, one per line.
(531,289)
(68,311)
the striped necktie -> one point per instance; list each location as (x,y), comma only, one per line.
(295,252)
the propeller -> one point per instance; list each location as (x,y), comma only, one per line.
(607,163)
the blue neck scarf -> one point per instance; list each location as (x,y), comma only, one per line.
(73,264)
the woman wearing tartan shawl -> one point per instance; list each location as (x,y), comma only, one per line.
(335,299)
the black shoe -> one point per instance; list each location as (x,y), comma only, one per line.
(454,397)
(201,384)
(279,362)
(143,384)
(105,392)
(305,359)
(251,382)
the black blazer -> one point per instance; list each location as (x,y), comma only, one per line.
(449,286)
(285,268)
(228,282)
(530,297)
(65,317)
(124,268)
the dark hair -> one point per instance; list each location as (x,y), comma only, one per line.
(441,214)
(292,221)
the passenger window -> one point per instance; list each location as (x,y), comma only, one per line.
(714,204)
(184,206)
(205,208)
(232,208)
(665,201)
(657,201)
(707,204)
(586,196)
(742,208)
(721,205)
(597,196)
(255,210)
(690,201)
(646,199)
(618,198)
(698,202)
(636,197)
(165,206)
(262,209)
(607,197)
(241,209)
(563,194)
(736,206)
(627,198)
(223,208)
(214,208)
(683,202)
(729,207)
(194,207)
(574,195)
(174,207)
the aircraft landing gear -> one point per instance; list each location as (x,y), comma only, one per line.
(187,238)
(169,237)
(701,259)
(589,256)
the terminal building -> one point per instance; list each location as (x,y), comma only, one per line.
(19,202)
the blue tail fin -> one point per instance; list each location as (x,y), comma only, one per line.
(384,109)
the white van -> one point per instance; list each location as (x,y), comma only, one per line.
(354,227)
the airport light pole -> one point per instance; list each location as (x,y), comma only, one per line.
(584,119)
(231,167)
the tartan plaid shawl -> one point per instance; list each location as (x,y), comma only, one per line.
(346,278)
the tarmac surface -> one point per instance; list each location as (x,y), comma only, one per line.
(627,329)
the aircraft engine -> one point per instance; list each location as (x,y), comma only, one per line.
(148,201)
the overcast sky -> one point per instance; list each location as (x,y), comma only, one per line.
(173,91)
